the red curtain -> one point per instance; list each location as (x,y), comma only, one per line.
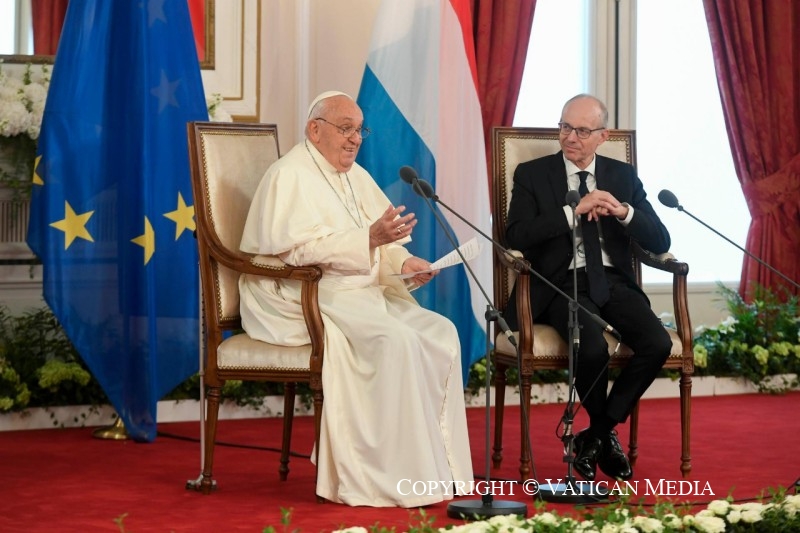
(197,11)
(756,46)
(502,30)
(48,18)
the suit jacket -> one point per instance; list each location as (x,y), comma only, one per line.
(538,228)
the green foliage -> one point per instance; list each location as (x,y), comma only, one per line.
(761,338)
(286,520)
(477,376)
(39,367)
(242,393)
(120,521)
(16,172)
(13,391)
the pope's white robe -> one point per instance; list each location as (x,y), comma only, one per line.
(394,429)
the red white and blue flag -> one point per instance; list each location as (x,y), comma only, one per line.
(420,99)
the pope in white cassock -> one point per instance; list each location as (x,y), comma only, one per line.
(394,429)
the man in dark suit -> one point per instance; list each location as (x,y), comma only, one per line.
(613,210)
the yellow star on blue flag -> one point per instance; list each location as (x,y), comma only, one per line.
(73,225)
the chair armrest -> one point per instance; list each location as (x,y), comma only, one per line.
(520,275)
(680,300)
(271,266)
(244,263)
(263,265)
(665,262)
(513,260)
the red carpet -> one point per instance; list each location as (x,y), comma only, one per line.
(66,480)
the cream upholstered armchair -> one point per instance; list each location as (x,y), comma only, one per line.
(227,162)
(541,348)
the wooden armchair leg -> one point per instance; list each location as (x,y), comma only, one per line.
(499,411)
(686,420)
(524,410)
(212,415)
(289,390)
(633,443)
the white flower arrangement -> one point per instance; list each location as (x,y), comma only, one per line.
(215,111)
(22,100)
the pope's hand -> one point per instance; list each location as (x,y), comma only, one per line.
(391,226)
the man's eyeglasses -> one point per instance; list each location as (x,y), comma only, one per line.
(348,131)
(582,133)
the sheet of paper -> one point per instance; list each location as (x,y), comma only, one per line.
(469,250)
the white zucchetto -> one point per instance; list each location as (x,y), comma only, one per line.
(323,96)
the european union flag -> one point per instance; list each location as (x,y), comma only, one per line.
(109,213)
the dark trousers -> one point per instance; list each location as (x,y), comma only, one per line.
(628,311)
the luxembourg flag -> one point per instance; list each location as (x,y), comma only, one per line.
(420,99)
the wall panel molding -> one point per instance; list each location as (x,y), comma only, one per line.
(236,58)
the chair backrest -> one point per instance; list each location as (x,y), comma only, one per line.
(512,146)
(227,161)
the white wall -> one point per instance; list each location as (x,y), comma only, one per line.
(307,47)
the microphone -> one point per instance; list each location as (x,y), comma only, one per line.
(573,198)
(408,174)
(608,328)
(419,186)
(425,189)
(506,330)
(667,198)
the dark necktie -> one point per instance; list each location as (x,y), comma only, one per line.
(595,274)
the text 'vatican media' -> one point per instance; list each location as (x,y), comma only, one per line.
(531,487)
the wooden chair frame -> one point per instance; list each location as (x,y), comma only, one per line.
(541,347)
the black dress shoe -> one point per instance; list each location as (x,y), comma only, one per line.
(612,460)
(588,449)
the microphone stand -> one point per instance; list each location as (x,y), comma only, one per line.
(487,506)
(679,207)
(569,492)
(572,490)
